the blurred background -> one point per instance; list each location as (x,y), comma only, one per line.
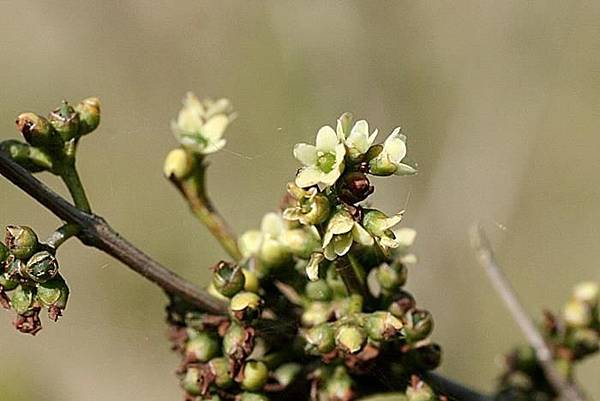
(500,100)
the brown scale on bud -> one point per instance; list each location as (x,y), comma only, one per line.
(29,322)
(354,187)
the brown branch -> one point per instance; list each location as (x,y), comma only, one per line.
(95,231)
(485,255)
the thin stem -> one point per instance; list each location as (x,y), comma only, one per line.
(353,283)
(61,235)
(194,190)
(71,179)
(94,231)
(485,256)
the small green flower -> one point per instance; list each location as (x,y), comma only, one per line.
(342,230)
(323,162)
(311,208)
(390,156)
(359,141)
(379,225)
(200,124)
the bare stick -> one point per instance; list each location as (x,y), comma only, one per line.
(96,232)
(485,255)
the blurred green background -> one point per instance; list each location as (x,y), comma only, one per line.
(501,102)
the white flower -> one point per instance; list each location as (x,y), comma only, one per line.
(388,162)
(323,163)
(342,230)
(200,124)
(405,237)
(266,244)
(359,141)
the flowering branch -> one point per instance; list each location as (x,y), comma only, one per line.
(96,232)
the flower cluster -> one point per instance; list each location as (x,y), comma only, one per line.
(572,337)
(29,279)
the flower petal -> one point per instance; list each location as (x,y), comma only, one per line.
(312,268)
(342,244)
(341,222)
(406,236)
(326,139)
(329,252)
(272,224)
(395,147)
(214,128)
(361,235)
(214,147)
(305,154)
(308,176)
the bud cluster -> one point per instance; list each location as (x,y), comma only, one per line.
(29,279)
(50,140)
(572,336)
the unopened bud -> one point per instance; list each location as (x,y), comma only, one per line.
(382,326)
(37,130)
(301,242)
(287,373)
(419,325)
(21,241)
(419,391)
(316,313)
(587,292)
(251,282)
(54,295)
(31,158)
(191,381)
(354,187)
(249,396)
(388,277)
(41,267)
(21,299)
(65,121)
(89,115)
(350,338)
(320,339)
(7,283)
(228,278)
(318,290)
(220,369)
(255,375)
(577,314)
(245,306)
(238,342)
(339,385)
(402,304)
(179,164)
(201,348)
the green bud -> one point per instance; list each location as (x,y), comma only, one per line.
(37,130)
(53,293)
(388,277)
(382,326)
(29,157)
(577,314)
(201,348)
(320,339)
(301,242)
(255,375)
(339,385)
(311,207)
(220,368)
(345,123)
(228,278)
(65,121)
(419,325)
(237,342)
(14,267)
(191,381)
(6,283)
(420,391)
(274,253)
(41,267)
(251,282)
(350,338)
(245,306)
(179,164)
(21,299)
(318,290)
(21,241)
(4,253)
(287,373)
(402,304)
(316,313)
(89,115)
(248,396)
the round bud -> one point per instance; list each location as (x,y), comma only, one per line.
(402,304)
(220,369)
(248,396)
(179,164)
(6,283)
(320,339)
(53,293)
(228,278)
(419,325)
(89,115)
(287,373)
(41,267)
(202,348)
(354,187)
(37,130)
(420,391)
(382,326)
(245,306)
(301,242)
(65,121)
(21,241)
(339,385)
(577,314)
(350,338)
(255,375)
(237,342)
(388,277)
(274,253)
(316,313)
(251,283)
(21,299)
(191,381)
(318,290)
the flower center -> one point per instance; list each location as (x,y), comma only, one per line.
(326,161)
